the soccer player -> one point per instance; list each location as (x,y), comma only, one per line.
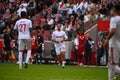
(81,48)
(23,26)
(58,37)
(114,43)
(7,47)
(40,48)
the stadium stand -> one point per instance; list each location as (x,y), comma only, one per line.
(42,9)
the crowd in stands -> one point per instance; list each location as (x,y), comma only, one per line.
(73,15)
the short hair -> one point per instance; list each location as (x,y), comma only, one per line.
(23,14)
(117,7)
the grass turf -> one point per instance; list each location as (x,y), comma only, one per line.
(52,72)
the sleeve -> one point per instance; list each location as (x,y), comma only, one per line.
(65,36)
(16,27)
(53,36)
(112,23)
(30,24)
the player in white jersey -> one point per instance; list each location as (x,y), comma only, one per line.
(23,26)
(58,37)
(114,44)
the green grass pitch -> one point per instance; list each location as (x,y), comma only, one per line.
(52,72)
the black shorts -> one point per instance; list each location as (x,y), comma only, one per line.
(39,49)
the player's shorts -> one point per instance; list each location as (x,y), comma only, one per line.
(60,48)
(114,53)
(24,44)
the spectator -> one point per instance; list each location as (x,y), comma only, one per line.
(71,9)
(90,5)
(83,10)
(14,17)
(11,8)
(68,4)
(62,6)
(99,15)
(66,27)
(48,2)
(21,8)
(89,43)
(43,22)
(2,10)
(50,23)
(80,15)
(93,16)
(2,26)
(83,3)
(31,7)
(103,10)
(55,7)
(7,16)
(58,16)
(87,16)
(75,5)
(109,6)
(24,3)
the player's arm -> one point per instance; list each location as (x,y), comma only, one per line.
(65,37)
(113,25)
(53,40)
(110,34)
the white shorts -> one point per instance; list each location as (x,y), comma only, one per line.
(24,44)
(114,54)
(60,48)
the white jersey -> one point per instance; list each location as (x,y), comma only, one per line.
(115,40)
(59,36)
(23,26)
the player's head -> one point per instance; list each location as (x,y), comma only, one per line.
(23,14)
(116,9)
(58,26)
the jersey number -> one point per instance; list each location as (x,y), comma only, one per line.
(22,28)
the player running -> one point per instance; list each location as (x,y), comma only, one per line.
(58,37)
(114,44)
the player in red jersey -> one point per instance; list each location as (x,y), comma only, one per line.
(81,48)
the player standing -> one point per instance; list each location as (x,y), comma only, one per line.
(23,26)
(58,37)
(114,43)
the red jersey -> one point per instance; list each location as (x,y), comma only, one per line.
(34,42)
(1,44)
(81,39)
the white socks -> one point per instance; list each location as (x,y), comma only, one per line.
(112,70)
(28,56)
(20,60)
(117,69)
(63,64)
